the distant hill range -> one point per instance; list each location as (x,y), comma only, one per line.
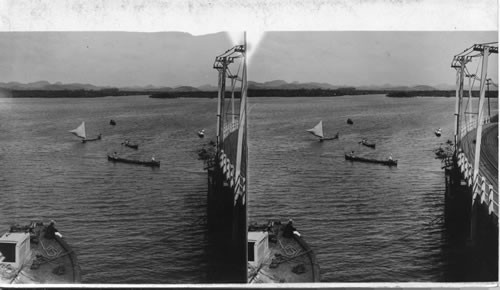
(271,85)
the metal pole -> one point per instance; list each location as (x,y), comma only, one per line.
(488,84)
(457,106)
(469,103)
(233,80)
(477,154)
(220,103)
(242,116)
(461,92)
(218,109)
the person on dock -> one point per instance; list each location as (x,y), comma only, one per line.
(115,154)
(352,153)
(51,230)
(153,158)
(289,229)
(390,157)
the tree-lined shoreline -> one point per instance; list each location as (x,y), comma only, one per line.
(213,94)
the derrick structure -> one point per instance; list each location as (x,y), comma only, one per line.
(227,171)
(471,199)
(469,122)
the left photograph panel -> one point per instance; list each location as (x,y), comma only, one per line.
(112,170)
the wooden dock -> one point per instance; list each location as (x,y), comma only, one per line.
(488,164)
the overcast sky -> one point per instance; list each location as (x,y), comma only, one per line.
(175,58)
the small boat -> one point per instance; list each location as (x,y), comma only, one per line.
(349,121)
(278,254)
(388,162)
(37,254)
(112,122)
(80,132)
(201,133)
(129,145)
(438,132)
(364,142)
(318,132)
(152,163)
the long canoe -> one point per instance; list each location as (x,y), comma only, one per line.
(361,159)
(151,163)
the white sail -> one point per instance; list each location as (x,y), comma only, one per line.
(80,131)
(317,130)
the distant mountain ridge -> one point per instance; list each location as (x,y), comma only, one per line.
(252,85)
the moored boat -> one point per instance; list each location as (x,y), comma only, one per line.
(438,132)
(349,121)
(278,254)
(37,254)
(367,144)
(151,163)
(112,122)
(388,162)
(201,133)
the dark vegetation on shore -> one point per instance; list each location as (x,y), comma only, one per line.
(410,94)
(255,93)
(213,94)
(70,93)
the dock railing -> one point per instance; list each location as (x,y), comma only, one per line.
(480,187)
(471,125)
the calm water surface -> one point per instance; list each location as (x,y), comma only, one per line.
(366,222)
(128,223)
(133,224)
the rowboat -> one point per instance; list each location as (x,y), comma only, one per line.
(387,162)
(277,253)
(201,133)
(364,142)
(438,132)
(129,145)
(152,163)
(37,254)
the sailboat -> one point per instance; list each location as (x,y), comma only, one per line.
(80,132)
(318,132)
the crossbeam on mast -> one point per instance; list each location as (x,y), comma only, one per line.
(485,48)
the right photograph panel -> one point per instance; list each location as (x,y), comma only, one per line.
(372,156)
